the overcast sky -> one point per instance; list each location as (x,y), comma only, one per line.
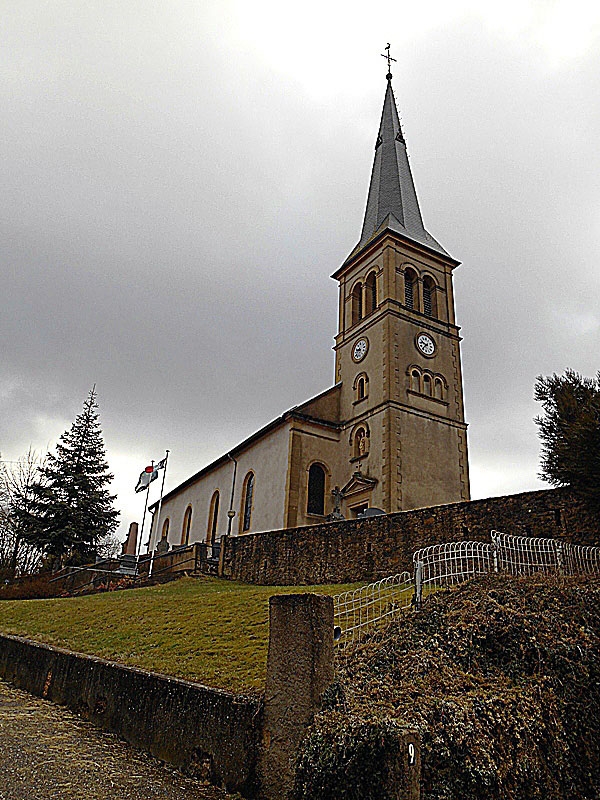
(181,178)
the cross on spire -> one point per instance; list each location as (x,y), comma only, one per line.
(389,60)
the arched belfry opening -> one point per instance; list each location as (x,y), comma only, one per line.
(410,288)
(357,303)
(370,293)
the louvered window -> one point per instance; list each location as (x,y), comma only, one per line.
(409,297)
(357,303)
(429,297)
(427,305)
(371,292)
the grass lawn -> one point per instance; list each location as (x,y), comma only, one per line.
(203,629)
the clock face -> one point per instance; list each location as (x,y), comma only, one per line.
(425,344)
(359,351)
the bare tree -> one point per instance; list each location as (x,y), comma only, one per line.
(17,556)
(109,547)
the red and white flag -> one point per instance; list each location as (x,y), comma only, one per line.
(148,475)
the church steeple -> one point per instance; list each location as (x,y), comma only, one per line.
(392,202)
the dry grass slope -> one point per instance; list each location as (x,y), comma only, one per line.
(502,678)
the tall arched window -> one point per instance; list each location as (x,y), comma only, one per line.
(360,388)
(247,496)
(410,285)
(187,524)
(357,303)
(165,529)
(427,385)
(429,297)
(316,490)
(370,293)
(213,518)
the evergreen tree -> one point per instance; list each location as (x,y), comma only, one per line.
(570,433)
(73,509)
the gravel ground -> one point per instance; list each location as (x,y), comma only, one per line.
(46,752)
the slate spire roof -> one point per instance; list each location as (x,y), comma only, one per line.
(392,201)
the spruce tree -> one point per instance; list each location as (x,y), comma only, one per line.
(73,509)
(570,433)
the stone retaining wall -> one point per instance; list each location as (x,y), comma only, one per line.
(370,549)
(209,732)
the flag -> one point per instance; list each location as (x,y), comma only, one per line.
(149,474)
(146,477)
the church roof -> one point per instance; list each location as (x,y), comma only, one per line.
(323,409)
(392,202)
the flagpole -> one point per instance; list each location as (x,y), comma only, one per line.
(137,549)
(162,487)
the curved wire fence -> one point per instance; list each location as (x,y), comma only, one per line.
(524,555)
(450,563)
(582,560)
(359,610)
(447,564)
(441,565)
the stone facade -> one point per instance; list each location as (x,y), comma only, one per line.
(413,411)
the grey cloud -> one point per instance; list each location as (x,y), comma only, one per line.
(170,223)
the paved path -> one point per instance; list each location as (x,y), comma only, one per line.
(48,753)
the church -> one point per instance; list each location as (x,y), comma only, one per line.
(390,434)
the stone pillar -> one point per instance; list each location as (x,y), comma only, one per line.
(299,669)
(221,571)
(129,548)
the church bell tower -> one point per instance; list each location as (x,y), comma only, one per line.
(398,347)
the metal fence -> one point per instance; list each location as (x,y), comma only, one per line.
(447,564)
(441,565)
(359,610)
(132,569)
(451,563)
(581,560)
(525,555)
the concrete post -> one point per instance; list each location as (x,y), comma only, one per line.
(299,669)
(404,774)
